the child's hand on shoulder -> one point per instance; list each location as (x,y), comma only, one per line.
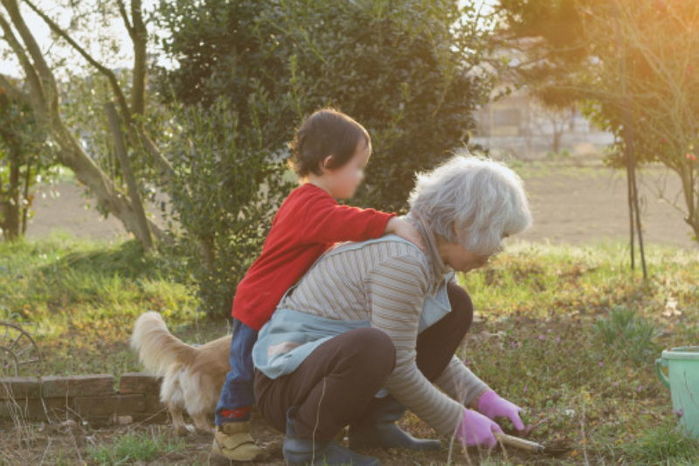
(406,231)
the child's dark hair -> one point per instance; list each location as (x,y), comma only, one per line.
(326,132)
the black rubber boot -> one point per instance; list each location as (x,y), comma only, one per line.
(298,451)
(378,429)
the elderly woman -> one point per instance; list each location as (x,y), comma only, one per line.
(372,328)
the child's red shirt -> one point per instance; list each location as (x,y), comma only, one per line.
(308,222)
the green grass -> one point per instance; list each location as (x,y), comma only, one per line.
(134,447)
(569,333)
(543,280)
(80,298)
(664,444)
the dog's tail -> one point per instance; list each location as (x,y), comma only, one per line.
(157,348)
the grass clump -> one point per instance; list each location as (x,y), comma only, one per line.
(134,447)
(665,444)
(628,335)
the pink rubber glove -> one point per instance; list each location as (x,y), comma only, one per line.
(492,405)
(476,429)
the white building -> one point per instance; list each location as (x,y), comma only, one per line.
(519,126)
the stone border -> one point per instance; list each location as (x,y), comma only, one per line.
(91,398)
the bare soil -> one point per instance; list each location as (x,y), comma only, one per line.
(571,204)
(70,442)
(589,204)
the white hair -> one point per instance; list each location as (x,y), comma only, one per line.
(472,201)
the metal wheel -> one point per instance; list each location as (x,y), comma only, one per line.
(18,350)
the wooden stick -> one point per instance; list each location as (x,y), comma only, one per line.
(521,443)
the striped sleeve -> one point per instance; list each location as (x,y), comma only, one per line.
(460,383)
(396,289)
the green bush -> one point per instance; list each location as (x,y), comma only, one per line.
(409,70)
(401,68)
(228,187)
(248,73)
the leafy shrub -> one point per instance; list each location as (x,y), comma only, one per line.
(249,71)
(228,185)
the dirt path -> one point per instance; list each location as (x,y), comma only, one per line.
(570,204)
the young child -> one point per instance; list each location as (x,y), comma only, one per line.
(330,152)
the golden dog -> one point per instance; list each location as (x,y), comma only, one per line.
(192,376)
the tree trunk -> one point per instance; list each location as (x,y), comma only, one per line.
(630,159)
(12,207)
(143,232)
(556,141)
(25,196)
(139,38)
(632,222)
(104,189)
(691,197)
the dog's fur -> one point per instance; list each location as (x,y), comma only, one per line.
(192,376)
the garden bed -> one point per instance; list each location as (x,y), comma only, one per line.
(566,332)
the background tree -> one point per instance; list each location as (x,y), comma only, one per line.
(630,68)
(24,158)
(130,138)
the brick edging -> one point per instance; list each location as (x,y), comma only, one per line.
(91,398)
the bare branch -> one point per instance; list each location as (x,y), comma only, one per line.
(38,98)
(162,162)
(139,39)
(111,77)
(137,15)
(42,70)
(125,17)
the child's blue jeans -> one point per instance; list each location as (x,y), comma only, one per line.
(237,396)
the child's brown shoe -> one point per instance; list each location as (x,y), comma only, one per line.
(233,441)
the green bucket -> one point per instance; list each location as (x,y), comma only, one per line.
(682,367)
